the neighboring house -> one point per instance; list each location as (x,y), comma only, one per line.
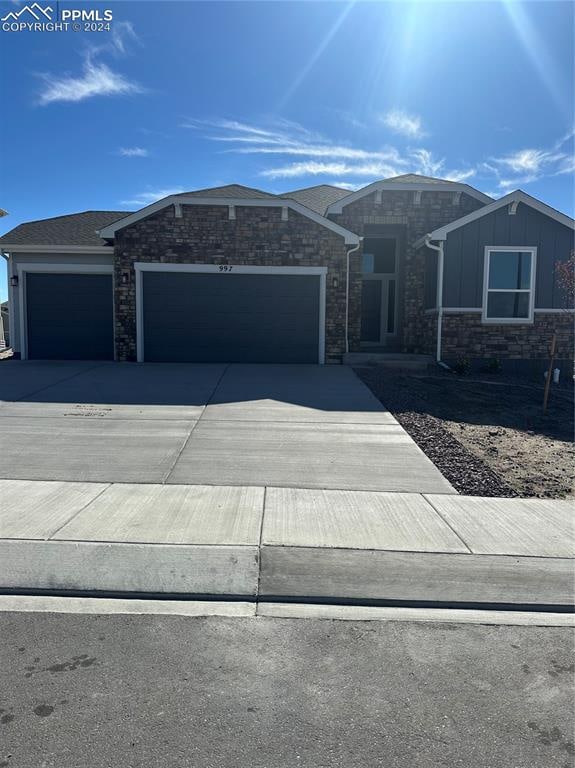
(4,325)
(409,264)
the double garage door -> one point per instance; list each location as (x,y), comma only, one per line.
(182,317)
(229,317)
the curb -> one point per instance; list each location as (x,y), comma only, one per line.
(286,575)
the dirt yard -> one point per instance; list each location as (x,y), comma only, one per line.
(488,435)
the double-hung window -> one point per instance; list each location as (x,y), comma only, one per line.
(509,284)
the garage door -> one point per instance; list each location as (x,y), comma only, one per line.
(69,316)
(199,317)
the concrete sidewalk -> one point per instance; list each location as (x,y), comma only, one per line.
(285,544)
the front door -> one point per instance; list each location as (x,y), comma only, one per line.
(379,291)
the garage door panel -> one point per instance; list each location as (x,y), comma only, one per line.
(235,318)
(69,316)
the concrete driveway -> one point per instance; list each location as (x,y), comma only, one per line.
(299,426)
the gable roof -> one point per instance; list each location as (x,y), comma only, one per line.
(317,198)
(513,198)
(417,178)
(411,182)
(271,201)
(228,190)
(71,229)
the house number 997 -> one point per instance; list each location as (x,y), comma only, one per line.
(225,268)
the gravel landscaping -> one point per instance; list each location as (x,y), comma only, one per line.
(489,437)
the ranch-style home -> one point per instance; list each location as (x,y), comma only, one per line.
(410,264)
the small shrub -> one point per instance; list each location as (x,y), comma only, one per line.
(461,366)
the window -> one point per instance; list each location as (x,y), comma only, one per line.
(378,255)
(509,284)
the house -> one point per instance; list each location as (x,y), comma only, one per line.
(4,325)
(408,264)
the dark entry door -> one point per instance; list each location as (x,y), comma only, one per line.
(379,284)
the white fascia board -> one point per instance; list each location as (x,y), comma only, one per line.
(403,186)
(518,196)
(108,233)
(79,249)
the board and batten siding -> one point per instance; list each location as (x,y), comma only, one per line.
(464,253)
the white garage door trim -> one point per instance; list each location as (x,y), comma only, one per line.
(66,269)
(223,269)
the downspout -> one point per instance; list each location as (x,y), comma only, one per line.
(351,250)
(439,298)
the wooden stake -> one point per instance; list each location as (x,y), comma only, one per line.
(549,372)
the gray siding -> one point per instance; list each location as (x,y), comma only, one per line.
(192,317)
(464,255)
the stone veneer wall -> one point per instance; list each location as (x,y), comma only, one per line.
(464,335)
(257,237)
(398,208)
(429,333)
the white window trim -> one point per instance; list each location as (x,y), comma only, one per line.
(141,267)
(65,269)
(531,290)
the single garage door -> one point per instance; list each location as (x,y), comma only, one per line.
(250,318)
(69,316)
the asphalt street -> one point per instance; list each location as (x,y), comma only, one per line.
(171,692)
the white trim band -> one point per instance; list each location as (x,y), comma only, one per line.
(63,249)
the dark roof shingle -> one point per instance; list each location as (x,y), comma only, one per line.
(416,178)
(317,198)
(229,190)
(72,229)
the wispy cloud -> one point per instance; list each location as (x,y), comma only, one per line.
(151,195)
(529,160)
(96,78)
(326,150)
(298,153)
(314,168)
(403,123)
(289,139)
(281,132)
(133,152)
(525,166)
(430,166)
(567,165)
(346,185)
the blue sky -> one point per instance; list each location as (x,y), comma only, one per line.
(282,95)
